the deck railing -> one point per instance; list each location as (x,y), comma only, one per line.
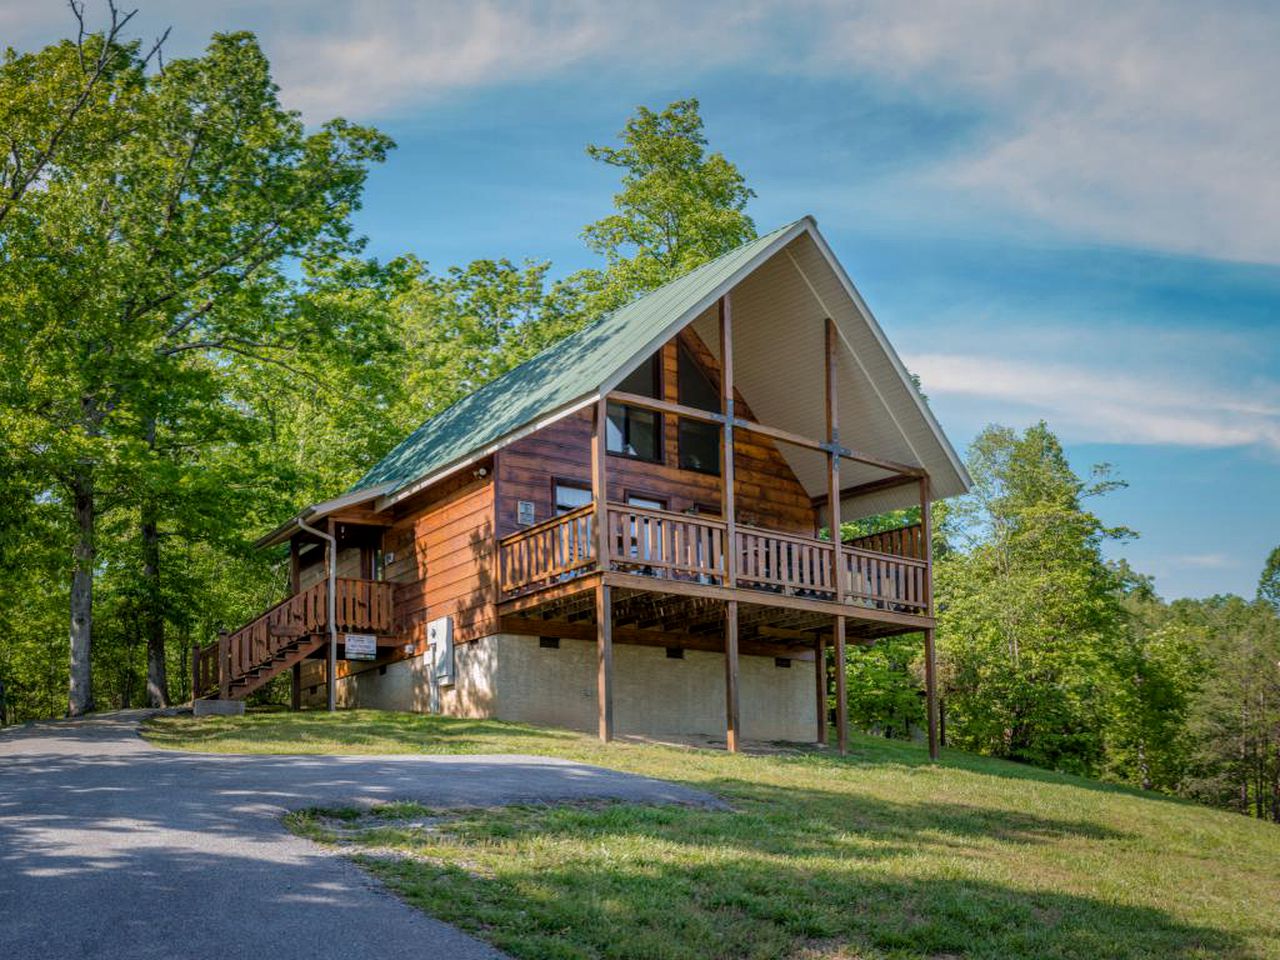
(883,581)
(899,542)
(547,552)
(665,544)
(883,571)
(784,563)
(359,605)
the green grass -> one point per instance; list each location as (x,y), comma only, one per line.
(877,855)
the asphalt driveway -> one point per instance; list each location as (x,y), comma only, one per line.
(111,848)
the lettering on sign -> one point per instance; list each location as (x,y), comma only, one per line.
(361,646)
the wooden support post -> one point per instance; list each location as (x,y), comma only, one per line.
(733,719)
(727,499)
(224,665)
(604,598)
(833,462)
(331,601)
(295,567)
(604,661)
(820,679)
(295,688)
(842,703)
(600,481)
(931,691)
(930,648)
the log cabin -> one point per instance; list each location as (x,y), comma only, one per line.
(629,533)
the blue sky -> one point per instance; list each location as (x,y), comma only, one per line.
(1065,211)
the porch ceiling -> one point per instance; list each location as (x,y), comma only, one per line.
(779,354)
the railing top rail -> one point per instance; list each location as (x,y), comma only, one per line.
(541,525)
(668,515)
(287,600)
(882,533)
(878,555)
(781,535)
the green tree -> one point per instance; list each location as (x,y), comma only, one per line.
(1027,607)
(1235,716)
(885,686)
(151,261)
(680,206)
(1269,581)
(1155,666)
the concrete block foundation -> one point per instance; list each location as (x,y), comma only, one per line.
(518,678)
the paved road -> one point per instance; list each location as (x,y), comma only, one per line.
(111,848)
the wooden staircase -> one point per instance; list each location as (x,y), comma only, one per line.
(236,664)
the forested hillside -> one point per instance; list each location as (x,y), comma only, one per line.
(193,345)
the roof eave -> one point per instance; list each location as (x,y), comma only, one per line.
(286,530)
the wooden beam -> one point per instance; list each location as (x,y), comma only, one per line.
(665,406)
(727,505)
(733,719)
(224,665)
(567,630)
(820,677)
(295,687)
(600,480)
(295,567)
(638,581)
(604,662)
(842,702)
(930,650)
(863,489)
(833,461)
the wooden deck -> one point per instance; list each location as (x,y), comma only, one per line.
(673,553)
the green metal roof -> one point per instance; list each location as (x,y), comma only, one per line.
(566,372)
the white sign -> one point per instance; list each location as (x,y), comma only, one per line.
(524,513)
(361,646)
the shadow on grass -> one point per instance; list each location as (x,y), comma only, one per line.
(630,882)
(865,749)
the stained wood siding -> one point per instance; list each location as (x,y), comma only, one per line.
(443,543)
(766,488)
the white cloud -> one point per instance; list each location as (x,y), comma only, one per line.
(1111,406)
(1203,561)
(1147,122)
(1150,122)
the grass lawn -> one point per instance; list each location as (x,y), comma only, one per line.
(877,855)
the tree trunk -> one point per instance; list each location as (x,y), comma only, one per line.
(153,615)
(80,695)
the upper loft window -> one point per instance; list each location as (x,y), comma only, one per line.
(696,388)
(699,440)
(633,432)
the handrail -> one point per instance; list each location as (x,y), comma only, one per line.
(906,542)
(533,529)
(876,554)
(666,544)
(359,605)
(700,519)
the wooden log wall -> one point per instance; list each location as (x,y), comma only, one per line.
(767,491)
(443,543)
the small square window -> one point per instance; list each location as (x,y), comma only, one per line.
(634,433)
(549,643)
(571,496)
(700,446)
(675,653)
(784,662)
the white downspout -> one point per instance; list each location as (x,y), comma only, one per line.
(331,607)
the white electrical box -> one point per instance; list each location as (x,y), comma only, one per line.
(525,515)
(440,650)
